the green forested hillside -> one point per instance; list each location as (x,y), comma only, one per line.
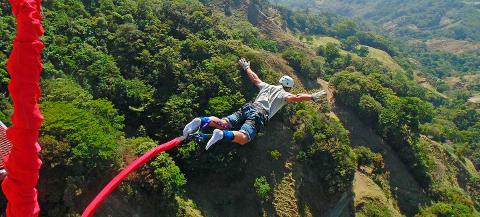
(443,36)
(122,76)
(412,19)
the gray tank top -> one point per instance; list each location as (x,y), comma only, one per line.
(272,98)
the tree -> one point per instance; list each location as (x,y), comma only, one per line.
(369,109)
(362,51)
(295,58)
(177,111)
(349,87)
(65,90)
(331,52)
(459,32)
(262,188)
(163,174)
(325,142)
(366,157)
(446,209)
(350,43)
(345,29)
(311,68)
(466,118)
(92,142)
(79,147)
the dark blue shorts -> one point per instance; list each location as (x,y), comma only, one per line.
(250,118)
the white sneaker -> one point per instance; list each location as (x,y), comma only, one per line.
(192,126)
(216,136)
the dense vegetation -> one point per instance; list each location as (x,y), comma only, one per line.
(120,76)
(116,75)
(324,144)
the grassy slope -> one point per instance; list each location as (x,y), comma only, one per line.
(405,190)
(424,82)
(451,171)
(452,46)
(315,41)
(384,58)
(380,55)
(367,191)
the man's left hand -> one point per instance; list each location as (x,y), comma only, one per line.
(316,97)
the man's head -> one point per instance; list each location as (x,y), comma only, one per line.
(287,82)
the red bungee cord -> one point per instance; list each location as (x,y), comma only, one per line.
(92,207)
(24,67)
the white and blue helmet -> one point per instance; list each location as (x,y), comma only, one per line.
(286,81)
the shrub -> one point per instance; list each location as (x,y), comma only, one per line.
(450,194)
(265,44)
(326,146)
(275,154)
(311,68)
(374,209)
(442,209)
(262,188)
(161,174)
(369,109)
(365,157)
(329,51)
(362,51)
(350,43)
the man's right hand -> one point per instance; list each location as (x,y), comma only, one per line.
(244,64)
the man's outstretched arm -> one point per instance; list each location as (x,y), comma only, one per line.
(251,74)
(302,97)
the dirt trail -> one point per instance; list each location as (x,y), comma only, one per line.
(405,189)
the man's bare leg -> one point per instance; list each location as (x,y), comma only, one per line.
(196,123)
(222,124)
(218,134)
(232,136)
(218,123)
(240,138)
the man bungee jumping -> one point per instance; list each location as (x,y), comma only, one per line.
(251,117)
